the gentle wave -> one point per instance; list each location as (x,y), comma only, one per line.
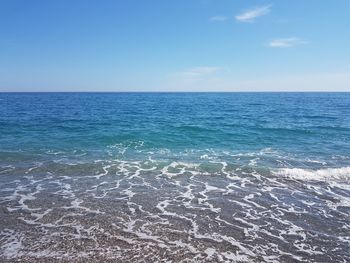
(342,173)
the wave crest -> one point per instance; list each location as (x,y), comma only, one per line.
(342,173)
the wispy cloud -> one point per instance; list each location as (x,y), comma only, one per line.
(286,42)
(321,81)
(218,18)
(252,14)
(200,71)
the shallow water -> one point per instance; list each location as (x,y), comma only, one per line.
(242,177)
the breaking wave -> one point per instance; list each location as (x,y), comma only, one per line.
(342,173)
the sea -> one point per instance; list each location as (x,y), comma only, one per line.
(175,177)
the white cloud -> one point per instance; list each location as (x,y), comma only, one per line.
(200,71)
(301,82)
(286,42)
(218,18)
(321,81)
(250,15)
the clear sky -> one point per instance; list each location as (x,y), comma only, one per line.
(174,45)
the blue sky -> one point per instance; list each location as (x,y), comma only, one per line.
(174,45)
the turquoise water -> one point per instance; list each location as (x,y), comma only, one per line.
(175,176)
(303,126)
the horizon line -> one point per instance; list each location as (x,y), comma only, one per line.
(263,91)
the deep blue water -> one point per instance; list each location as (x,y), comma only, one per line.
(305,125)
(175,177)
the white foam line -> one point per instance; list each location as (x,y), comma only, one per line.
(142,235)
(8,168)
(37,165)
(251,196)
(204,201)
(12,243)
(179,243)
(37,216)
(23,198)
(75,204)
(105,171)
(342,173)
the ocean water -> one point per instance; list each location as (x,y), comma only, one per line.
(175,177)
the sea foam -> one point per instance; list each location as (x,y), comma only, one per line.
(342,173)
